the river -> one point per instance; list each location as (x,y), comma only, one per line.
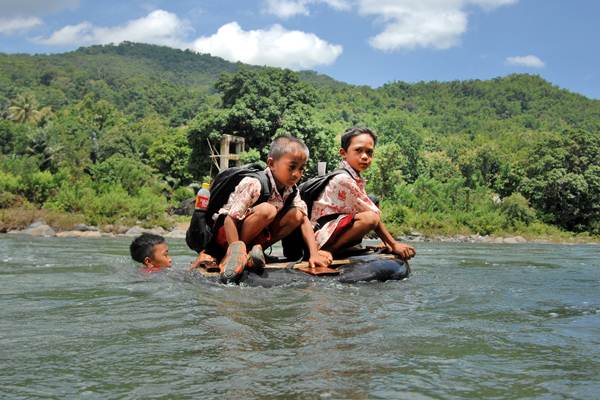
(473,321)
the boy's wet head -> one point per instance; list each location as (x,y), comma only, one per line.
(287,158)
(151,250)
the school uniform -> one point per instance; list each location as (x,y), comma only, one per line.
(243,198)
(334,210)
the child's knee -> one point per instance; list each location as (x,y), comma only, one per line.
(370,218)
(294,217)
(265,211)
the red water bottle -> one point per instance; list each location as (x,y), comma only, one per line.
(203,197)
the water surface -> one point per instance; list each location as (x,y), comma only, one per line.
(473,321)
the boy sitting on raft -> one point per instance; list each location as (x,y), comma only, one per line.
(343,213)
(242,223)
(152,251)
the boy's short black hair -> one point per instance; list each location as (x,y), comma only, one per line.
(143,246)
(355,131)
(285,144)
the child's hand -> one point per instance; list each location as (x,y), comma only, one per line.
(327,255)
(403,250)
(195,264)
(320,260)
(383,247)
(203,260)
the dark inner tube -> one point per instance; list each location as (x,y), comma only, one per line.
(364,268)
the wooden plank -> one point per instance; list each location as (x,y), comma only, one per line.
(335,263)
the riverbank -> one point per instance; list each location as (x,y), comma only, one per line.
(48,223)
(493,239)
(42,229)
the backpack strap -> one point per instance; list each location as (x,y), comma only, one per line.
(341,170)
(290,198)
(265,186)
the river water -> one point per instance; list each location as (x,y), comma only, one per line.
(473,321)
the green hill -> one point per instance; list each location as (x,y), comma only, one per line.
(142,78)
(137,78)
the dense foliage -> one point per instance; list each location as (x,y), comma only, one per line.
(258,106)
(118,133)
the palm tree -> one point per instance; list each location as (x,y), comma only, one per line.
(40,145)
(24,108)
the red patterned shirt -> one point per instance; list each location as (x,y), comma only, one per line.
(344,194)
(247,192)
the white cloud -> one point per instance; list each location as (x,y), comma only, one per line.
(9,26)
(409,28)
(336,4)
(407,24)
(27,8)
(82,33)
(491,4)
(529,61)
(289,8)
(410,24)
(286,8)
(158,27)
(275,47)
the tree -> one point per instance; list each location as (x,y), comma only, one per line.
(130,174)
(259,105)
(80,130)
(404,132)
(24,109)
(42,147)
(480,165)
(439,166)
(133,139)
(14,137)
(563,179)
(170,155)
(386,171)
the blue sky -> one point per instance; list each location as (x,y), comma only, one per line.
(367,42)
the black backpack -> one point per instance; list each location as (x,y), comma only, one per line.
(312,188)
(200,231)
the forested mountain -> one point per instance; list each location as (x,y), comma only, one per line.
(116,133)
(139,79)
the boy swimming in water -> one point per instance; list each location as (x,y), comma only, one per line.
(152,251)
